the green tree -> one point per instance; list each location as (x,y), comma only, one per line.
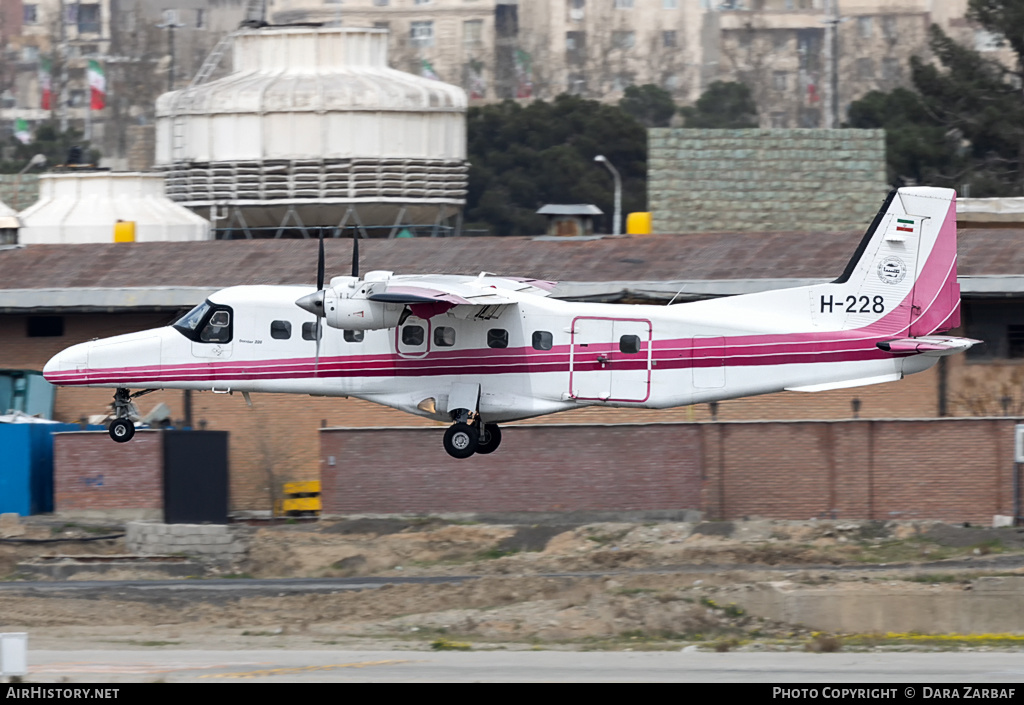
(724,104)
(53,144)
(919,147)
(649,104)
(964,124)
(523,157)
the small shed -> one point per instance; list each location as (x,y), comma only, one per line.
(570,220)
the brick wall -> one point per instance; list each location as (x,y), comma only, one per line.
(764,180)
(947,469)
(538,468)
(92,474)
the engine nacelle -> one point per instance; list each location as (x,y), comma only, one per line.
(359,313)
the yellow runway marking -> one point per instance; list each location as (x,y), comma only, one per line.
(301,669)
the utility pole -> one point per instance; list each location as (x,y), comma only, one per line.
(170,23)
(831,21)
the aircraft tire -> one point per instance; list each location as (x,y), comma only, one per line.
(492,434)
(460,440)
(121,430)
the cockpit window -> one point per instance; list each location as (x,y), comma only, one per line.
(218,330)
(206,323)
(190,321)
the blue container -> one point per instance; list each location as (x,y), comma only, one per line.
(26,466)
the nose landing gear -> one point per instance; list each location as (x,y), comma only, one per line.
(122,428)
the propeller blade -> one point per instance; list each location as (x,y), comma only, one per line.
(355,254)
(320,263)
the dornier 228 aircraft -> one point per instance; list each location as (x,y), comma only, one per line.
(479,351)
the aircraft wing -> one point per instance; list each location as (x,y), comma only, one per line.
(457,290)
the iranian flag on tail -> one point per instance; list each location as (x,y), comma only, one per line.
(21,131)
(97,86)
(45,84)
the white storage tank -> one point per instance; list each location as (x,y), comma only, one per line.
(79,207)
(313,124)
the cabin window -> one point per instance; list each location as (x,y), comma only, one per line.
(412,335)
(497,338)
(45,326)
(444,336)
(354,336)
(629,344)
(218,329)
(542,340)
(280,330)
(309,331)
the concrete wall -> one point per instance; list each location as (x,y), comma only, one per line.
(764,180)
(946,469)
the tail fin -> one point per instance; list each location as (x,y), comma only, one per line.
(905,267)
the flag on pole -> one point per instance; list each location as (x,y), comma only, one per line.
(21,131)
(97,86)
(45,84)
(427,71)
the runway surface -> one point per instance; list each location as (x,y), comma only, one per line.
(522,666)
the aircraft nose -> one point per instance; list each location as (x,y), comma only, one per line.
(69,360)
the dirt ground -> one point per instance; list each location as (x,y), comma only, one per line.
(654,585)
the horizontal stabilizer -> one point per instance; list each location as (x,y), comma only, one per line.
(847,383)
(930,345)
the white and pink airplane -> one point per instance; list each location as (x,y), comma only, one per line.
(479,351)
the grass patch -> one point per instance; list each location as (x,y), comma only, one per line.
(939,640)
(492,553)
(238,576)
(449,645)
(153,643)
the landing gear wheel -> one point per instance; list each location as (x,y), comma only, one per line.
(121,430)
(490,439)
(460,440)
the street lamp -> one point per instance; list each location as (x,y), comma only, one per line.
(617,218)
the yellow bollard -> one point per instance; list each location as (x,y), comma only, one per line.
(124,231)
(638,224)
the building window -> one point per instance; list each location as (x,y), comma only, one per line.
(413,335)
(810,117)
(45,326)
(575,47)
(422,34)
(497,338)
(623,4)
(866,27)
(778,119)
(542,340)
(30,53)
(88,19)
(889,26)
(668,39)
(354,336)
(865,69)
(421,2)
(30,14)
(200,18)
(381,3)
(780,80)
(309,331)
(280,330)
(576,8)
(891,69)
(622,39)
(670,4)
(472,31)
(444,336)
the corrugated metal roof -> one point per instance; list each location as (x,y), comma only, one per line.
(570,209)
(699,259)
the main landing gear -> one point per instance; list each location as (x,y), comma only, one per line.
(467,436)
(122,428)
